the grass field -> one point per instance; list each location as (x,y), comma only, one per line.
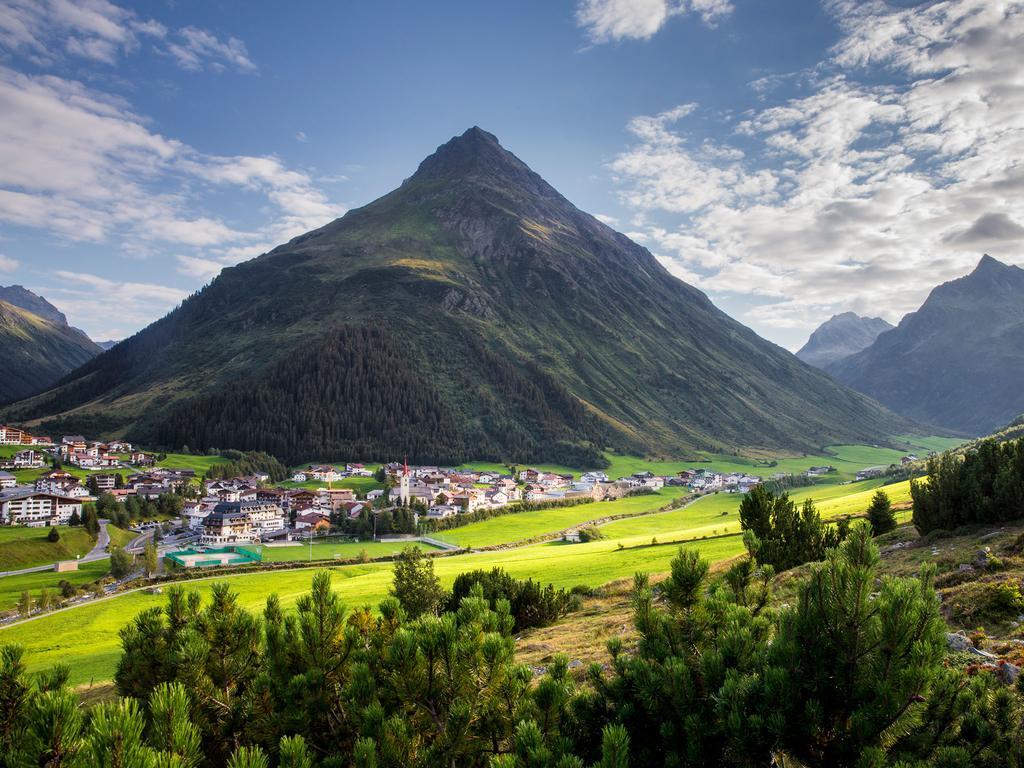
(847,459)
(22,547)
(119,536)
(361,485)
(90,632)
(326,550)
(521,526)
(11,587)
(199,464)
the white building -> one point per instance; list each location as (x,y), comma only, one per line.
(266,516)
(29,460)
(37,509)
(441,511)
(227,525)
(11,436)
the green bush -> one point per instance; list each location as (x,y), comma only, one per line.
(530,603)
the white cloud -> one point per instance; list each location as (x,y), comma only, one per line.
(197,49)
(8,264)
(898,163)
(102,31)
(301,136)
(610,20)
(87,299)
(81,165)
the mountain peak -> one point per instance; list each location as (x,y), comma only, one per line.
(989,265)
(474,154)
(843,335)
(22,297)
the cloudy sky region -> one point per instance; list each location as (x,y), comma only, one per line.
(792,158)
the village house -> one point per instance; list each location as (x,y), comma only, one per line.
(819,471)
(314,520)
(194,512)
(105,482)
(870,472)
(227,525)
(31,508)
(441,511)
(333,498)
(299,477)
(11,436)
(140,459)
(301,500)
(7,480)
(29,460)
(324,474)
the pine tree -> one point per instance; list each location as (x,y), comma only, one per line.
(880,514)
(415,585)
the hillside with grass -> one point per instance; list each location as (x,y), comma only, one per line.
(473,312)
(37,351)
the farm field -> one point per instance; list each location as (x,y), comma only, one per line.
(22,547)
(325,550)
(11,587)
(521,526)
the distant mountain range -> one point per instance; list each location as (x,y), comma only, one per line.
(958,361)
(841,336)
(472,312)
(37,346)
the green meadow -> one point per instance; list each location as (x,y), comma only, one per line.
(327,550)
(88,635)
(11,587)
(522,526)
(847,459)
(199,464)
(22,547)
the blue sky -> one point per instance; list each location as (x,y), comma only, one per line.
(793,158)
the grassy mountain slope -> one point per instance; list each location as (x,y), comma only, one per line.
(958,362)
(473,311)
(36,352)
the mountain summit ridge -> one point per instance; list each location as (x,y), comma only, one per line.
(956,362)
(841,336)
(472,312)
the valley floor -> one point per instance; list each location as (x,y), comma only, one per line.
(87,635)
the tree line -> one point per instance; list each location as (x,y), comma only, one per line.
(984,484)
